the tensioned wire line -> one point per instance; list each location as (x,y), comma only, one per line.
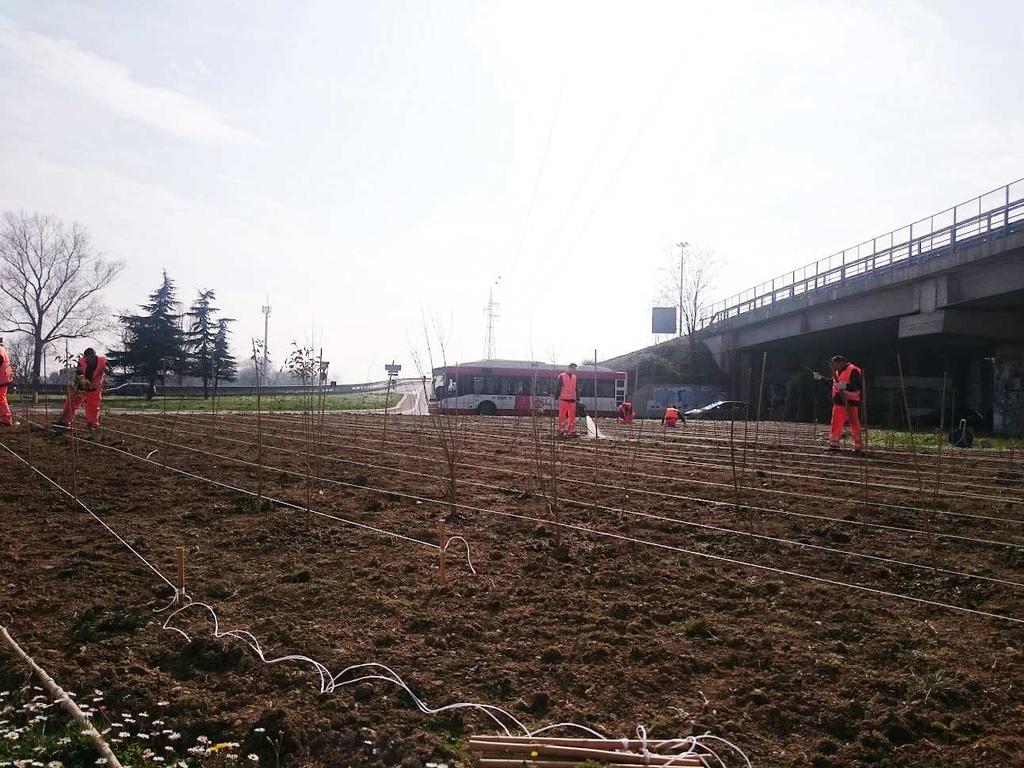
(713,502)
(648,459)
(630,539)
(98,519)
(979,455)
(851,481)
(583,504)
(681,454)
(328,681)
(681,497)
(281,502)
(685,445)
(858,503)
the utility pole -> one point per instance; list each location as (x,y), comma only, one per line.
(682,271)
(491,312)
(266,329)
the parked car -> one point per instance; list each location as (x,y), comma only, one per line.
(721,410)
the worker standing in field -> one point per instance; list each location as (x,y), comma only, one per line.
(671,416)
(847,384)
(565,394)
(87,388)
(6,378)
(625,413)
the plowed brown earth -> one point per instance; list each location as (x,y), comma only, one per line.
(559,624)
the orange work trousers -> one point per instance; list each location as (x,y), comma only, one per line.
(566,417)
(840,415)
(5,409)
(91,398)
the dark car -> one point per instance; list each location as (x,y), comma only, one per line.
(722,410)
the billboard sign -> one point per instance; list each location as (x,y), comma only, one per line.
(663,320)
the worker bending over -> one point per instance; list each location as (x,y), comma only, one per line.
(625,413)
(671,416)
(565,394)
(87,388)
(6,378)
(847,384)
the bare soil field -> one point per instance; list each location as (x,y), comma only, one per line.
(815,610)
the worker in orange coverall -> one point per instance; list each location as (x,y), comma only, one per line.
(87,388)
(625,413)
(671,416)
(565,394)
(6,378)
(847,384)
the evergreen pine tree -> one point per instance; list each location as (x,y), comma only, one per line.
(201,338)
(225,366)
(154,345)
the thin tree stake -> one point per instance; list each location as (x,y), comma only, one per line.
(910,425)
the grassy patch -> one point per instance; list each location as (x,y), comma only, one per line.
(332,402)
(891,438)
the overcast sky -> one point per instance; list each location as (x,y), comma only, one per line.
(366,164)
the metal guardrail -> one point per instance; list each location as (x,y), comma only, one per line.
(995,213)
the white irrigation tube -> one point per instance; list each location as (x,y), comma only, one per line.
(576,481)
(610,509)
(642,542)
(328,682)
(857,503)
(57,694)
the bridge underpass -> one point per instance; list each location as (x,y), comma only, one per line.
(946,294)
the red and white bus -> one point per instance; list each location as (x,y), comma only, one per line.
(521,387)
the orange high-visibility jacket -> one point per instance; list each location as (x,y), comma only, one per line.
(6,372)
(671,415)
(626,409)
(96,382)
(841,381)
(567,386)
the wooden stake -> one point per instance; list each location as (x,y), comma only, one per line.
(910,425)
(760,395)
(441,540)
(942,428)
(57,694)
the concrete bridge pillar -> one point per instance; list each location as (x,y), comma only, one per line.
(1008,391)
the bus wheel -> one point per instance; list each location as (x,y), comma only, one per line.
(487,408)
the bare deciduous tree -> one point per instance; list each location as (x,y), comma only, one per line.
(20,351)
(50,282)
(687,282)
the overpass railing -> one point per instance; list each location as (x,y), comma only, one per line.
(996,213)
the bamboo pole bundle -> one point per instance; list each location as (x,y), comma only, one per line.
(57,694)
(537,752)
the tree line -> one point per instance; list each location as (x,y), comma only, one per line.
(157,343)
(51,284)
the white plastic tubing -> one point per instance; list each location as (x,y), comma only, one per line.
(372,671)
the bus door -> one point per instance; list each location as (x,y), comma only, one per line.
(620,391)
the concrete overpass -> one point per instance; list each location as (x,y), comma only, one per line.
(946,293)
